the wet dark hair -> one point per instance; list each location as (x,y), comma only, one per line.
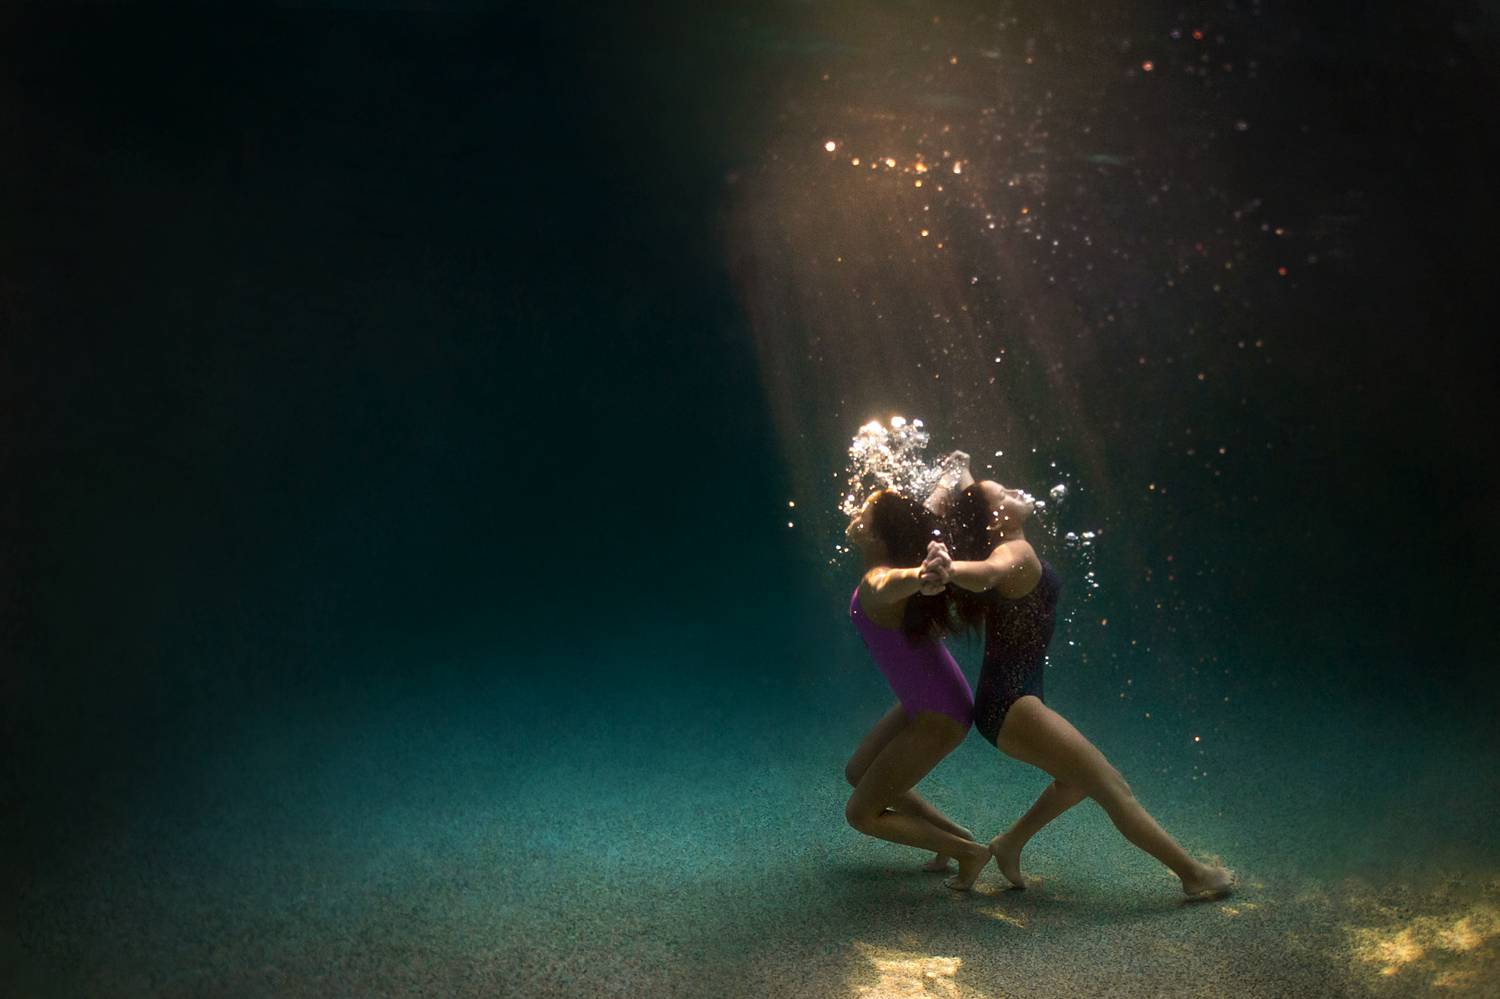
(905,526)
(967,527)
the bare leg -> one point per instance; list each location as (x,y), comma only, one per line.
(908,802)
(906,758)
(1035,734)
(1056,799)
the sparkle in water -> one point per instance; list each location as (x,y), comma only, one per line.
(888,457)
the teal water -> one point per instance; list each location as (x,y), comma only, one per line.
(403,411)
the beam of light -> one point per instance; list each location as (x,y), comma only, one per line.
(889,287)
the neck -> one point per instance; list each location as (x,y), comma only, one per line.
(1001,535)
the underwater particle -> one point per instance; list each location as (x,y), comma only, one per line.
(791,503)
(854,162)
(924,233)
(917,182)
(1152,487)
(1147,66)
(790,524)
(830,145)
(890,162)
(1197,738)
(1281,271)
(958,166)
(1197,34)
(1202,376)
(1058,492)
(1242,126)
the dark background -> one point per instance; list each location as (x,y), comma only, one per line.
(344,348)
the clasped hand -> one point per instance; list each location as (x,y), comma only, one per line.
(937,569)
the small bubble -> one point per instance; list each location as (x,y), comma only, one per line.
(830,145)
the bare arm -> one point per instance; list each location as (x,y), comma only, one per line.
(1012,568)
(956,478)
(884,587)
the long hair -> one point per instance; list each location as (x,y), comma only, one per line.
(905,526)
(967,527)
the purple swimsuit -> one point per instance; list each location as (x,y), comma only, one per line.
(922,674)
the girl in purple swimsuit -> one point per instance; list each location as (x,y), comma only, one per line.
(901,615)
(1003,587)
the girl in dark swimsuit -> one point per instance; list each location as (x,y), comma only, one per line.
(999,583)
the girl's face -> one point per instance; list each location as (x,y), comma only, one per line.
(1009,507)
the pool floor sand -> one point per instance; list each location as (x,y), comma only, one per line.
(447,845)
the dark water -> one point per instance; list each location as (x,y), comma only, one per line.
(401,410)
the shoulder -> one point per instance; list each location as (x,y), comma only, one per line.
(1022,569)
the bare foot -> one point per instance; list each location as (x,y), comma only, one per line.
(1008,859)
(1209,882)
(970,863)
(942,863)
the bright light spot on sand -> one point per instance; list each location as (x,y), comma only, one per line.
(1426,940)
(901,974)
(1000,915)
(830,145)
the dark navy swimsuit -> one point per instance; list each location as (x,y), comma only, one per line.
(1016,635)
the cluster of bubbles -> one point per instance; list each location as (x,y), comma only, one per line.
(889,457)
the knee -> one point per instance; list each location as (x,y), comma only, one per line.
(858,816)
(1110,788)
